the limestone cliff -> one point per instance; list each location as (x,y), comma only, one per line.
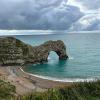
(16,52)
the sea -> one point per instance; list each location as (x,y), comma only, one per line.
(83,49)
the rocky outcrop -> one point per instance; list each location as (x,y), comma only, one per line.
(16,52)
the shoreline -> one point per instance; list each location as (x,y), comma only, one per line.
(43,83)
(70,80)
(26,82)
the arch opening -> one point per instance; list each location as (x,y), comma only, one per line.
(53,55)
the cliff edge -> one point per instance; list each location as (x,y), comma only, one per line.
(16,52)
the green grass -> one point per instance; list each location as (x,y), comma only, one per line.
(78,91)
(7,90)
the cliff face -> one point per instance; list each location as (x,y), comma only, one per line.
(15,52)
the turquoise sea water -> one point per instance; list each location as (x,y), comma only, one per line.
(83,51)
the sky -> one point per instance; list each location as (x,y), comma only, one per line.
(71,15)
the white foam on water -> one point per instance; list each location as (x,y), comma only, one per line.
(71,57)
(63,79)
(49,58)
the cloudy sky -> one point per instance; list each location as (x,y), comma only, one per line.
(72,15)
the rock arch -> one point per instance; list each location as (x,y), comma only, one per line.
(58,47)
(14,51)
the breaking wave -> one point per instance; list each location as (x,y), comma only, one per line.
(71,57)
(63,79)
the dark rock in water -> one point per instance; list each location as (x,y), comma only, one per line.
(16,52)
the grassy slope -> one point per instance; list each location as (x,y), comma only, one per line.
(7,90)
(78,91)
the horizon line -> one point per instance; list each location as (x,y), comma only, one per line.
(42,32)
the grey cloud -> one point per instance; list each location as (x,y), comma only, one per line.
(37,14)
(89,22)
(91,19)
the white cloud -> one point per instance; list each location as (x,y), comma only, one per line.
(77,4)
(91,19)
(86,6)
(89,22)
(90,4)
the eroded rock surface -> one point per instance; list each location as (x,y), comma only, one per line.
(14,51)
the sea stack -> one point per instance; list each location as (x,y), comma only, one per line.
(16,52)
